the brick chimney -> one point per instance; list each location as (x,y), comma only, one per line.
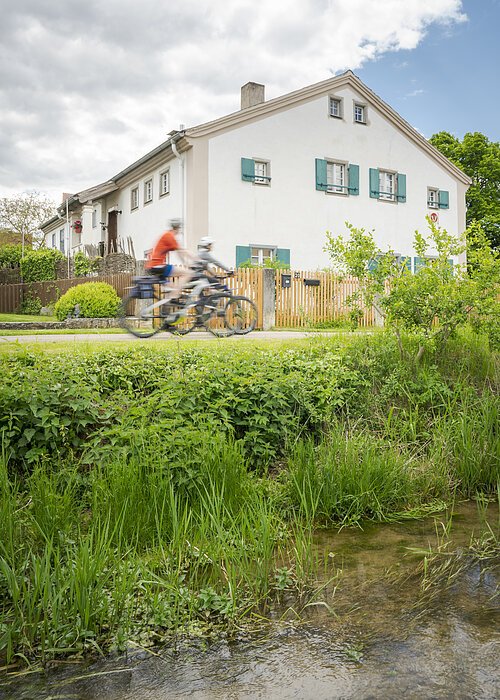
(252,94)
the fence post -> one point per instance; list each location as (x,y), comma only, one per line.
(268,299)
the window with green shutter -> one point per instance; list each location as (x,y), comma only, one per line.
(256,171)
(337,177)
(387,186)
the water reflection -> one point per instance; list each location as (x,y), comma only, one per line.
(385,640)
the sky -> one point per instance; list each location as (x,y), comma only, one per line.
(89,86)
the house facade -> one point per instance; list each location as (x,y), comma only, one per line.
(268,182)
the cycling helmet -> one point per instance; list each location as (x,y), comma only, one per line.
(206,242)
(175,223)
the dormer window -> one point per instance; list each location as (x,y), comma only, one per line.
(359,113)
(335,109)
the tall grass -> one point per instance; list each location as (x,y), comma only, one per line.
(180,493)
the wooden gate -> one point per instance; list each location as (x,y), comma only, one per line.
(314,297)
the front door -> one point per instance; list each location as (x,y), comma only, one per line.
(112,231)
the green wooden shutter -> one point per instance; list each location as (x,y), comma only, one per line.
(247,169)
(243,253)
(374,183)
(353,178)
(283,255)
(444,199)
(401,187)
(321,175)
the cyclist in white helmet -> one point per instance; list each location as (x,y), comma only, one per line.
(206,258)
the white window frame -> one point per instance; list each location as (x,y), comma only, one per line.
(264,176)
(134,198)
(62,240)
(337,112)
(337,177)
(54,240)
(387,185)
(94,218)
(433,197)
(165,182)
(148,190)
(258,257)
(362,107)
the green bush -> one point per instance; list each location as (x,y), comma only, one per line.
(95,299)
(85,265)
(40,265)
(31,304)
(10,255)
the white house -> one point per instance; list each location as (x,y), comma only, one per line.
(269,180)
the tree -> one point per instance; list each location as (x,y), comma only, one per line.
(479,158)
(432,303)
(23,214)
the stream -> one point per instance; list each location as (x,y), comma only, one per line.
(376,629)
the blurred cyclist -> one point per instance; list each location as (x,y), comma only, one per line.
(157,265)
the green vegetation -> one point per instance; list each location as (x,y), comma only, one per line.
(95,299)
(439,298)
(40,265)
(12,318)
(479,158)
(151,490)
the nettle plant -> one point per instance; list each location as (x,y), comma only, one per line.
(438,298)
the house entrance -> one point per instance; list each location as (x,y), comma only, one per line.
(112,231)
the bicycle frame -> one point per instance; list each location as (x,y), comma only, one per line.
(196,285)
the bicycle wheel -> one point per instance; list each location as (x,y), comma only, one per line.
(137,316)
(214,315)
(183,324)
(241,315)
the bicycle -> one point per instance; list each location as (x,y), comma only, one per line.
(202,302)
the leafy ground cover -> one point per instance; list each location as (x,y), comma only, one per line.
(149,490)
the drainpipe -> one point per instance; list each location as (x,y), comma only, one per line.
(183,185)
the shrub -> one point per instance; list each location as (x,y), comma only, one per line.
(95,299)
(84,265)
(40,265)
(10,255)
(31,304)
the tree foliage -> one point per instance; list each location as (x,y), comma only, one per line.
(431,304)
(23,214)
(40,265)
(479,158)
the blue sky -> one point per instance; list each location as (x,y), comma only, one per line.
(451,81)
(87,88)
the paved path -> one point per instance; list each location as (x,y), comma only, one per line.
(161,337)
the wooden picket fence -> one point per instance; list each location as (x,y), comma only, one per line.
(314,297)
(311,298)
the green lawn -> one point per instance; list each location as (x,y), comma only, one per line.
(5,318)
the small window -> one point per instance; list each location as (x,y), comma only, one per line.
(164,183)
(359,113)
(387,185)
(336,178)
(262,172)
(335,107)
(134,198)
(61,240)
(432,198)
(148,191)
(94,218)
(260,255)
(53,240)
(256,171)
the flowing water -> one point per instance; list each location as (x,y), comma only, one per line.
(381,627)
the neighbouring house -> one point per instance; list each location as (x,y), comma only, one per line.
(268,181)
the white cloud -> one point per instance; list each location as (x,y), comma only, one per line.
(85,88)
